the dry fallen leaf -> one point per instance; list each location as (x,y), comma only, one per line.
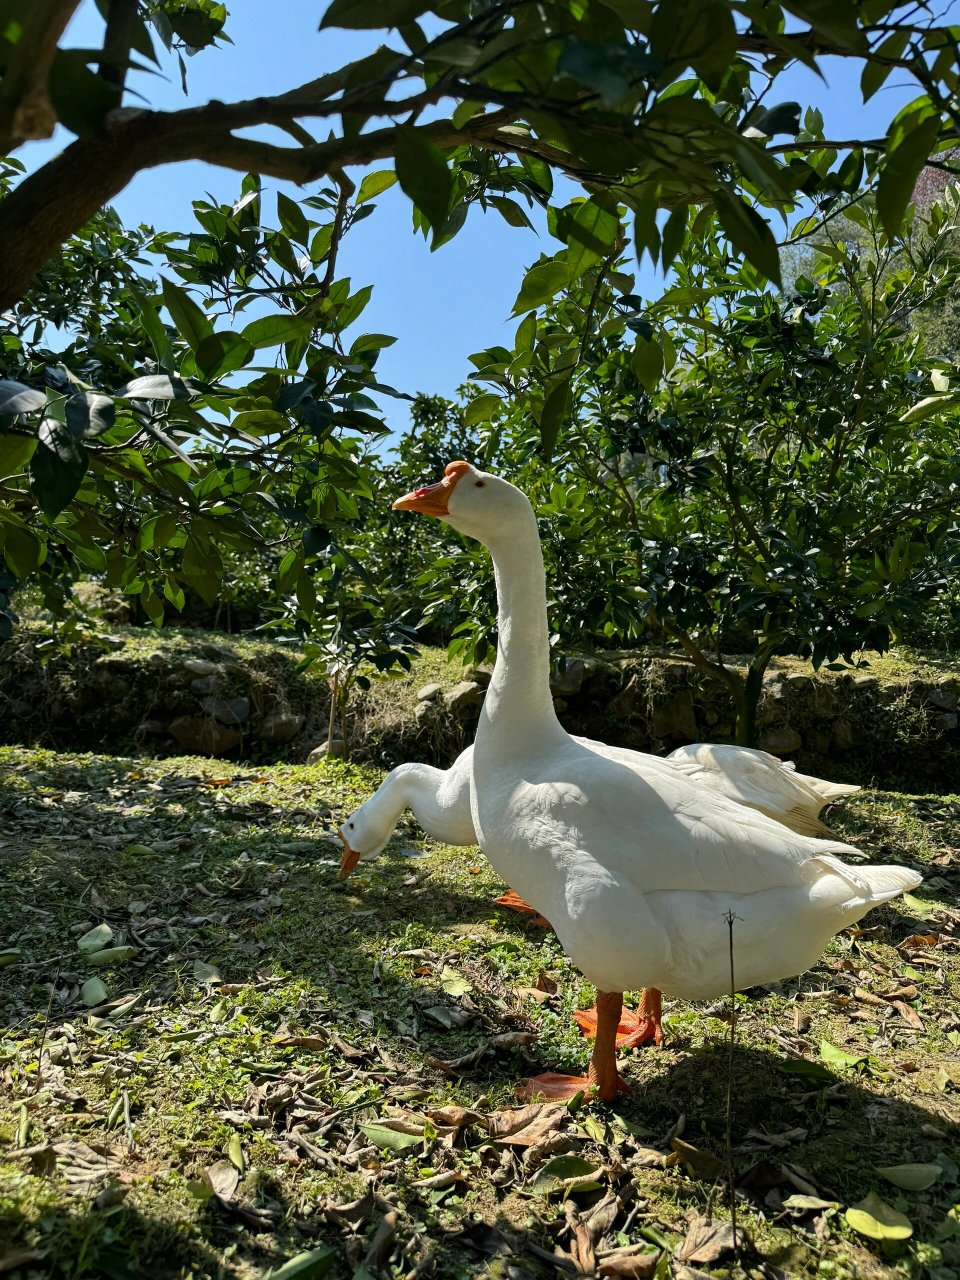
(908,1014)
(526,1126)
(222,1178)
(634,1262)
(708,1241)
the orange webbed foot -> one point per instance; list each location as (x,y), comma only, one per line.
(634,1027)
(513,902)
(554,1086)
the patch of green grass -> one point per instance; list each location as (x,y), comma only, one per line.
(271,1019)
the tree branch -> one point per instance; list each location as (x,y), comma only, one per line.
(52,204)
(26,111)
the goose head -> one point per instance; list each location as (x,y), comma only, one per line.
(473,502)
(364,835)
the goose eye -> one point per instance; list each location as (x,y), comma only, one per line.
(350,825)
(480,484)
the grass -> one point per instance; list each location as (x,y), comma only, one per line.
(286,1041)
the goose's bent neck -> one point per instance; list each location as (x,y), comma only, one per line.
(409,786)
(519,697)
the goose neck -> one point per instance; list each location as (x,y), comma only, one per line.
(519,691)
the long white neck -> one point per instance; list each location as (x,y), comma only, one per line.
(409,786)
(518,703)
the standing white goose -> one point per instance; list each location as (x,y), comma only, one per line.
(636,868)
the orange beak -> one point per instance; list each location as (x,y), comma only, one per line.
(348,859)
(432,499)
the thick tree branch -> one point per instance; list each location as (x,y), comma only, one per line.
(26,111)
(53,203)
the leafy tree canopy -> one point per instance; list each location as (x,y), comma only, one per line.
(651,105)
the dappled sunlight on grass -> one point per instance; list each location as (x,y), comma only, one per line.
(296,1044)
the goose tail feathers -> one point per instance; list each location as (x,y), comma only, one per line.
(863,887)
(828,791)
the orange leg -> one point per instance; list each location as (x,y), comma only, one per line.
(633,1028)
(603,1079)
(513,902)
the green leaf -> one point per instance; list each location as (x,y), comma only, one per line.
(566,1173)
(541,283)
(90,414)
(306,1266)
(877,67)
(96,938)
(375,183)
(872,1218)
(454,983)
(930,407)
(359,15)
(93,992)
(900,171)
(916,906)
(696,33)
(272,331)
(57,467)
(556,410)
(16,397)
(235,1153)
(222,353)
(809,1203)
(23,550)
(156,387)
(647,363)
(292,219)
(510,211)
(10,955)
(748,233)
(208,975)
(591,235)
(838,1058)
(838,22)
(192,325)
(911,1177)
(391,1139)
(80,97)
(423,174)
(111,955)
(804,1067)
(15,453)
(481,409)
(153,327)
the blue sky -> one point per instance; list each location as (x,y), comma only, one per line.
(441,306)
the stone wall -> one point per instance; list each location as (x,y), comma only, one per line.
(194,695)
(189,696)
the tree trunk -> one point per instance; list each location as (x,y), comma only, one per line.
(747,703)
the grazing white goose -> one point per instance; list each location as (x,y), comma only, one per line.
(440,798)
(636,867)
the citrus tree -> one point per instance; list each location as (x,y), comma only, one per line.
(152,417)
(747,472)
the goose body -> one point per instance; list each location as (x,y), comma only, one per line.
(637,868)
(440,798)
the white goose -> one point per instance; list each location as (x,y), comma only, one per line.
(636,868)
(440,798)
